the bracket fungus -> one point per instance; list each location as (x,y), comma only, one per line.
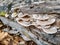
(48,22)
(33,22)
(23,23)
(46,27)
(51,30)
(25,20)
(26,17)
(44,22)
(40,17)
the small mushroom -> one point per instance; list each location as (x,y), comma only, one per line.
(40,17)
(43,23)
(51,30)
(39,27)
(23,23)
(26,18)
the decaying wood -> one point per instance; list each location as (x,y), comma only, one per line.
(21,29)
(35,30)
(37,35)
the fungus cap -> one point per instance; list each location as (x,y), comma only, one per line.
(23,23)
(51,30)
(26,18)
(40,17)
(48,22)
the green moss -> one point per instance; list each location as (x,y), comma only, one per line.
(2,13)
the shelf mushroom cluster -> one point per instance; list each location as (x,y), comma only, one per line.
(40,21)
(44,22)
